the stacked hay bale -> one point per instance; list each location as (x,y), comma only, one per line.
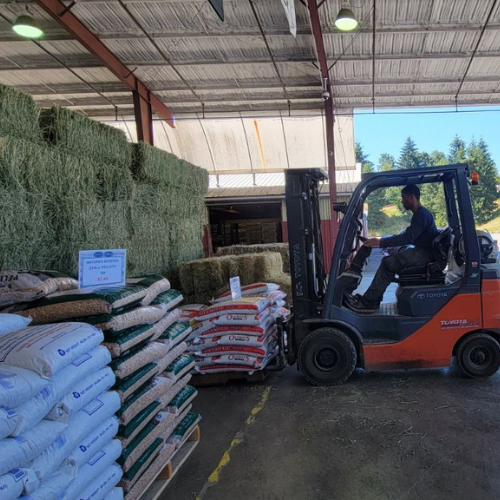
(168,211)
(281,248)
(66,185)
(57,423)
(202,280)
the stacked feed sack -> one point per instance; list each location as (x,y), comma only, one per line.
(281,248)
(57,420)
(201,280)
(237,335)
(168,210)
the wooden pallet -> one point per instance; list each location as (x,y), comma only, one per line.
(158,485)
(223,378)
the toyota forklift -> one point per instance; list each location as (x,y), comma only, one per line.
(449,308)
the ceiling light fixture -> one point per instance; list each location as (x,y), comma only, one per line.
(345,19)
(27,27)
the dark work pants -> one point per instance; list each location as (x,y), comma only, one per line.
(390,266)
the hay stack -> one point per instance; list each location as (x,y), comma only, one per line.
(202,279)
(282,248)
(18,115)
(85,138)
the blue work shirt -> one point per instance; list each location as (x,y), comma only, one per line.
(420,233)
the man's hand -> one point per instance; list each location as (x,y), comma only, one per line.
(372,242)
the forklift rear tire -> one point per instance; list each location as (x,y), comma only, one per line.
(327,356)
(479,355)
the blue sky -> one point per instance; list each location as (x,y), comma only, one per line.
(386,133)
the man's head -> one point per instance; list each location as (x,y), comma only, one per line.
(410,197)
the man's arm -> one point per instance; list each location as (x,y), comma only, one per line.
(410,234)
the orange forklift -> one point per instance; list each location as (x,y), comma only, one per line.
(449,308)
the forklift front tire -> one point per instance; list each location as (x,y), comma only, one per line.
(327,356)
(478,355)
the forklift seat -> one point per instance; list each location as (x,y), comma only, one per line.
(433,273)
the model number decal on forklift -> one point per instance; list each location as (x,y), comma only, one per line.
(448,324)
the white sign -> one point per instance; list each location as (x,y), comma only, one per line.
(289,6)
(101,268)
(235,285)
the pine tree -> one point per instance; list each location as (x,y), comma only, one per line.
(458,153)
(485,194)
(409,157)
(362,157)
(386,162)
(432,195)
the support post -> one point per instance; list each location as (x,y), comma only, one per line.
(143,119)
(325,77)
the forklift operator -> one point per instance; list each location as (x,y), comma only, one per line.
(420,234)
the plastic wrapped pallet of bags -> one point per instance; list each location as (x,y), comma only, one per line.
(154,284)
(166,322)
(137,358)
(98,415)
(249,290)
(25,286)
(49,348)
(175,334)
(248,305)
(114,323)
(168,300)
(15,421)
(81,303)
(118,343)
(15,482)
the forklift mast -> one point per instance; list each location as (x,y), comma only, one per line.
(304,237)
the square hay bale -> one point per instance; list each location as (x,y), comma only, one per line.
(84,137)
(160,167)
(282,248)
(201,280)
(55,173)
(28,236)
(19,115)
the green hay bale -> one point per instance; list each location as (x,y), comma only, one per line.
(201,280)
(159,167)
(18,115)
(27,237)
(41,169)
(84,137)
(84,223)
(282,248)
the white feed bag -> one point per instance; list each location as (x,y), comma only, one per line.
(54,486)
(101,486)
(47,349)
(98,463)
(18,385)
(12,322)
(15,482)
(16,452)
(93,442)
(115,494)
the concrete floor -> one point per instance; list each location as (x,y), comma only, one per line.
(427,434)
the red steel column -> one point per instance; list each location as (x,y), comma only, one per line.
(323,66)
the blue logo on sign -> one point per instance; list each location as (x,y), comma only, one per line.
(83,448)
(108,254)
(62,352)
(98,255)
(76,395)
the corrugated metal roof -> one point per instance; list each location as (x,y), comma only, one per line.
(422,51)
